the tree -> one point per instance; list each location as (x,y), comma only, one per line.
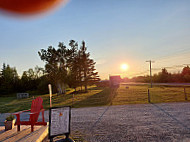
(73,63)
(56,65)
(163,76)
(185,71)
(9,79)
(43,84)
(71,66)
(88,74)
(34,80)
(186,74)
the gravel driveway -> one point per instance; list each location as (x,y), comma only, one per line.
(141,122)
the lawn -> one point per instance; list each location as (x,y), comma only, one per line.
(97,96)
(138,94)
(169,94)
(130,95)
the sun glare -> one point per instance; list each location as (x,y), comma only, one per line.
(124,66)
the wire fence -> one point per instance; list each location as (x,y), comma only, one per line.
(125,94)
(169,94)
(134,94)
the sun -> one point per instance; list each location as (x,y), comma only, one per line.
(124,67)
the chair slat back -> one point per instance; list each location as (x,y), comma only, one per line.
(36,107)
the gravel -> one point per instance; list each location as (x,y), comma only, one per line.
(139,122)
(142,122)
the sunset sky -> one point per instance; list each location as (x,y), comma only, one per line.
(115,31)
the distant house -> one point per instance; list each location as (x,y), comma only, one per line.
(115,80)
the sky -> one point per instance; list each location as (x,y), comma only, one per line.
(115,32)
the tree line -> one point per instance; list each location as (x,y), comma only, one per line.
(64,67)
(31,80)
(165,77)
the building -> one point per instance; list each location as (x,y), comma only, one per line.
(115,80)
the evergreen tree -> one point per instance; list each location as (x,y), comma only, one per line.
(9,79)
(73,65)
(88,74)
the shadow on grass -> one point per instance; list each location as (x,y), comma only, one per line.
(83,91)
(77,92)
(98,99)
(96,88)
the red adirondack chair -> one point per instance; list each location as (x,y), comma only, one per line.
(35,110)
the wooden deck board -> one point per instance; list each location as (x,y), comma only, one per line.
(25,135)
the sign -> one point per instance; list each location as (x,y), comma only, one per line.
(59,121)
(22,95)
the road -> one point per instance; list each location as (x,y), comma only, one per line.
(139,122)
(157,84)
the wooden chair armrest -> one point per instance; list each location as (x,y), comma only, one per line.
(21,112)
(36,112)
(32,113)
(42,110)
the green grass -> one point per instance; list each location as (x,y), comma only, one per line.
(94,97)
(97,96)
(11,104)
(168,94)
(158,94)
(131,95)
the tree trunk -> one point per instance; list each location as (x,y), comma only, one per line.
(61,88)
(85,87)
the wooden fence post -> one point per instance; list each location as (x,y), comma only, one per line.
(185,94)
(148,96)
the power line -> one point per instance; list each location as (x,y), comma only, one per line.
(156,69)
(173,55)
(171,67)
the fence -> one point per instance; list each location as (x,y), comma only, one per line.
(135,94)
(169,94)
(125,94)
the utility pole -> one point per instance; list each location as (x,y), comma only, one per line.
(150,71)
